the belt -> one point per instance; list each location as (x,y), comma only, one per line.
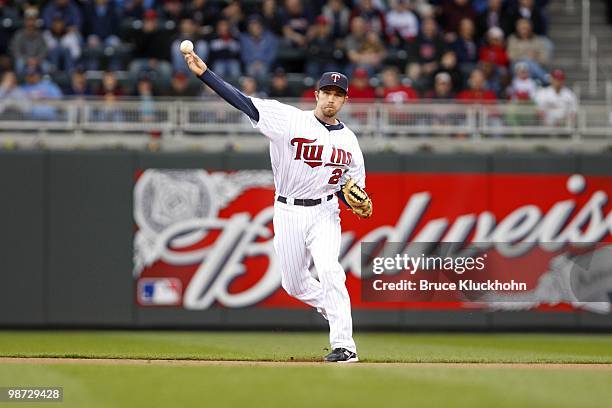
(304,202)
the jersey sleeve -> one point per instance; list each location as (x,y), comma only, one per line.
(275,118)
(356,169)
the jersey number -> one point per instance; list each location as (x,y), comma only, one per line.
(336,174)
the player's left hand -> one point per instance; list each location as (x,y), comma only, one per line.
(357,199)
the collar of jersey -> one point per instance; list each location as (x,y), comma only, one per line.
(329,127)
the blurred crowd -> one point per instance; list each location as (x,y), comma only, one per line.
(393,50)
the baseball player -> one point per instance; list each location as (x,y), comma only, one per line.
(314,156)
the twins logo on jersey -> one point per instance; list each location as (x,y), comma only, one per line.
(340,158)
(312,154)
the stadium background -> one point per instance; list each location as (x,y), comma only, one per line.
(93,112)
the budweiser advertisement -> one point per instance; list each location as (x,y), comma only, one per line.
(534,241)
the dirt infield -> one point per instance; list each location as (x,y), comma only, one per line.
(117,361)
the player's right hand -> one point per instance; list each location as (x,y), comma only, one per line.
(195,63)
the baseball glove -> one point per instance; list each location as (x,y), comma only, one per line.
(357,199)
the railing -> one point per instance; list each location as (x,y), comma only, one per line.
(170,118)
(586,32)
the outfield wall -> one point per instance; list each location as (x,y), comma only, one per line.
(68,230)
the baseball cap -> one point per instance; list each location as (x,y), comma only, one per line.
(31,12)
(496,32)
(254,18)
(322,20)
(33,70)
(558,74)
(334,79)
(279,71)
(360,73)
(521,66)
(443,77)
(180,75)
(150,14)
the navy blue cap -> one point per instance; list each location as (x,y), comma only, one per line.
(334,79)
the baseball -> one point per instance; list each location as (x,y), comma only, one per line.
(186,47)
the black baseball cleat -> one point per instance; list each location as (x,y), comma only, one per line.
(341,355)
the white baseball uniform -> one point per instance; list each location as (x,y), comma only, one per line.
(556,107)
(311,160)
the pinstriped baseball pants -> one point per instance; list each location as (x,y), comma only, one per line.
(305,233)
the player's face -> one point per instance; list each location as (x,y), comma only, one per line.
(330,100)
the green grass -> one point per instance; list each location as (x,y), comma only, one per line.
(279,346)
(315,386)
(293,386)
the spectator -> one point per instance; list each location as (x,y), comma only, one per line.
(234,15)
(526,47)
(28,46)
(9,16)
(442,94)
(525,9)
(479,6)
(465,47)
(443,88)
(476,92)
(248,86)
(448,64)
(364,49)
(272,18)
(296,22)
(423,8)
(402,23)
(428,47)
(372,16)
(63,45)
(338,16)
(360,89)
(308,95)
(203,13)
(151,48)
(418,79)
(36,89)
(144,91)
(134,9)
(393,91)
(180,87)
(279,86)
(492,16)
(523,88)
(321,55)
(225,51)
(556,103)
(258,48)
(101,28)
(67,10)
(14,102)
(78,86)
(109,91)
(110,88)
(172,13)
(361,92)
(453,11)
(187,31)
(496,78)
(494,50)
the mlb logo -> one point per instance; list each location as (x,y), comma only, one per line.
(160,291)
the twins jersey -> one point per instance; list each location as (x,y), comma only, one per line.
(308,160)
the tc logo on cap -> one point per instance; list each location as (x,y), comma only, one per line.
(334,79)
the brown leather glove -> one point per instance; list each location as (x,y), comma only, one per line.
(357,199)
